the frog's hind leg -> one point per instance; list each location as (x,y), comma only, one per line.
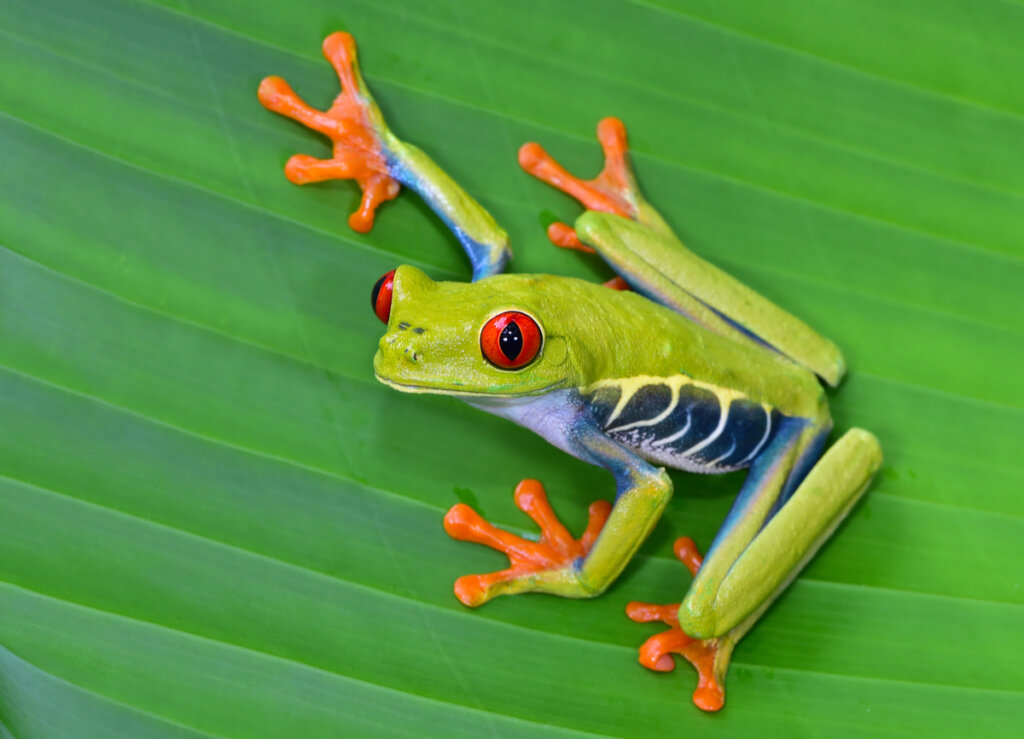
(710,657)
(612,191)
(634,239)
(769,536)
(624,229)
(742,574)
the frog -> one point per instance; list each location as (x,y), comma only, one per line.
(672,364)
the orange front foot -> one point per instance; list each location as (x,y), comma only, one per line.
(353,123)
(703,654)
(613,191)
(544,565)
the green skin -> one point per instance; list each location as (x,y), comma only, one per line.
(690,327)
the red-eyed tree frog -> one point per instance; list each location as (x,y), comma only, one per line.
(687,368)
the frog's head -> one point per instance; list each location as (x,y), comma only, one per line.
(500,336)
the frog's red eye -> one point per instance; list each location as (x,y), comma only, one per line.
(510,340)
(380,298)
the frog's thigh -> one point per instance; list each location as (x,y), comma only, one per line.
(790,539)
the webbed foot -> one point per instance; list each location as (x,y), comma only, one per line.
(546,565)
(710,657)
(614,190)
(354,125)
(365,150)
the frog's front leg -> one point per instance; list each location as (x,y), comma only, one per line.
(534,565)
(557,563)
(780,519)
(366,151)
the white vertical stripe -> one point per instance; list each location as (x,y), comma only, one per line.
(676,435)
(732,449)
(673,401)
(723,419)
(767,430)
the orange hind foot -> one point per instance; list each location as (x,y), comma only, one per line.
(704,654)
(543,565)
(354,125)
(613,190)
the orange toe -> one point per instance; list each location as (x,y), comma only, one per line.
(554,550)
(612,191)
(655,653)
(563,235)
(350,124)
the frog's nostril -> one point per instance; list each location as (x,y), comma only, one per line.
(399,344)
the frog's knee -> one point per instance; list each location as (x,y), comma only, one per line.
(698,618)
(867,443)
(858,449)
(590,587)
(658,484)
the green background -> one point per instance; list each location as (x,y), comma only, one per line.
(214,522)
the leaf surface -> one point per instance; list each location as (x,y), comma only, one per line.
(214,522)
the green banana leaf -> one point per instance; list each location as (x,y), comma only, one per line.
(214,522)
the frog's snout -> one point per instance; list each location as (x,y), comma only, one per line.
(401,347)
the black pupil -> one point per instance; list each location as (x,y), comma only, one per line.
(376,292)
(511,341)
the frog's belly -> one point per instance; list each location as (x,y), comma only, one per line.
(683,424)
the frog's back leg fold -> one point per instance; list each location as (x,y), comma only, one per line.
(738,583)
(767,539)
(657,265)
(635,240)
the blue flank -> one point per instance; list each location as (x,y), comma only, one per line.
(765,462)
(808,458)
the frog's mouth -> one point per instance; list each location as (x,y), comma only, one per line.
(455,389)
